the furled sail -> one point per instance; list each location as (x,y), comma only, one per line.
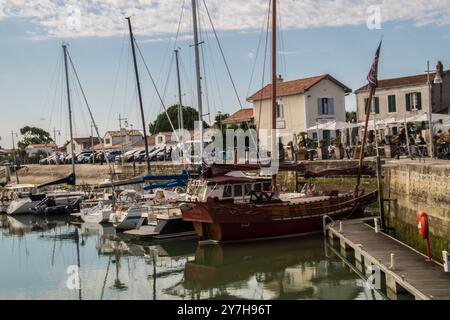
(70,180)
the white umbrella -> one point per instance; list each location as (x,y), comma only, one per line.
(340,125)
(424,117)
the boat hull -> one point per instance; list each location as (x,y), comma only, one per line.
(221,221)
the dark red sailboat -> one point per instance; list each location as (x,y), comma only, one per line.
(234,206)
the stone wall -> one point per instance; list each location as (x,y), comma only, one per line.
(418,186)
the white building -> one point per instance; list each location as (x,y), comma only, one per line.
(300,105)
(125,137)
(32,149)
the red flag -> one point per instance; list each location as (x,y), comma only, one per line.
(373,73)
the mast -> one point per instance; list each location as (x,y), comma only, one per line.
(197,69)
(180,104)
(138,84)
(72,151)
(274,89)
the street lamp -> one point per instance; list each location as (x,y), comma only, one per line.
(437,80)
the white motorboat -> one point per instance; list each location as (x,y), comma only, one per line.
(15,192)
(129,218)
(100,213)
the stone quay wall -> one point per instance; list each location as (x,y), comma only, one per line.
(413,187)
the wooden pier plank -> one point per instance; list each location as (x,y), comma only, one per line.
(422,278)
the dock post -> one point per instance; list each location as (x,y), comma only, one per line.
(446,258)
(377,225)
(358,255)
(392,266)
(340,227)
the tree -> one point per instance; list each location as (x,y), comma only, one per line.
(350,116)
(162,124)
(33,135)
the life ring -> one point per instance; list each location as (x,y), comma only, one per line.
(422,224)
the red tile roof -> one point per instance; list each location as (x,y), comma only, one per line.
(293,87)
(121,134)
(401,82)
(243,115)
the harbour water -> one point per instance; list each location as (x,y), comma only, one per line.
(52,259)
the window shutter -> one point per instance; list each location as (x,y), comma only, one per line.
(408,101)
(366,102)
(319,106)
(377,105)
(419,100)
(392,104)
(331,106)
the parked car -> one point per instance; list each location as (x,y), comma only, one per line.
(112,155)
(84,156)
(139,156)
(152,155)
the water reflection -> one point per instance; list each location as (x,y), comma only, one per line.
(113,266)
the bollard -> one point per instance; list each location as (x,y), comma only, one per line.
(376,223)
(446,258)
(392,266)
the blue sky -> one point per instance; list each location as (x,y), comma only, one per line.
(318,37)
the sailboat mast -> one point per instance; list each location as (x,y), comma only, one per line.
(72,150)
(274,89)
(197,69)
(138,84)
(180,104)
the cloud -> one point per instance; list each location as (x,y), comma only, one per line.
(159,18)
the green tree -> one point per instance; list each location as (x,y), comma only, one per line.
(162,124)
(33,135)
(350,116)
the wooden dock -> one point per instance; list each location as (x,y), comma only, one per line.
(401,267)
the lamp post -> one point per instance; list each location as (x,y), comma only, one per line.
(437,80)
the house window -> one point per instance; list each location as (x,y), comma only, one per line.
(280,110)
(413,101)
(107,141)
(392,104)
(325,106)
(160,139)
(228,191)
(314,136)
(375,105)
(238,190)
(248,189)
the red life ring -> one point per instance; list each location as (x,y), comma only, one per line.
(422,224)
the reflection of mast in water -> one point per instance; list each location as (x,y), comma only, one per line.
(118,285)
(77,240)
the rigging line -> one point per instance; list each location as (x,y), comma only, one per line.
(264,69)
(167,51)
(108,119)
(281,40)
(53,78)
(257,54)
(204,68)
(223,55)
(179,25)
(92,117)
(154,85)
(57,81)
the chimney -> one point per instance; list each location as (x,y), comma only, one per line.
(280,78)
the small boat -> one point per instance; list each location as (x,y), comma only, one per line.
(164,219)
(15,192)
(101,213)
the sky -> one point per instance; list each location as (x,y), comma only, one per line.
(316,37)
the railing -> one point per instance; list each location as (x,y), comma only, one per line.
(324,223)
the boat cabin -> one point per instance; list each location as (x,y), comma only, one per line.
(234,185)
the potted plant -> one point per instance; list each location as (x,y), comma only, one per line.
(322,151)
(356,152)
(390,148)
(338,148)
(302,154)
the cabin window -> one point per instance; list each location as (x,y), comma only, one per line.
(258,187)
(247,189)
(228,192)
(266,186)
(238,190)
